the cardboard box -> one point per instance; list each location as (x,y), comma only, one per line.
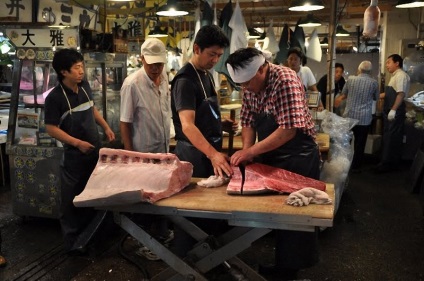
(373,144)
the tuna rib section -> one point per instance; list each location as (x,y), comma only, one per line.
(260,178)
(126,177)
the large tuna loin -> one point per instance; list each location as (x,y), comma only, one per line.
(127,177)
(260,178)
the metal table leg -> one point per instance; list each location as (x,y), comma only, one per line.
(205,255)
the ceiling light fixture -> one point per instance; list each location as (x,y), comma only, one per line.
(306,5)
(341,32)
(409,4)
(171,9)
(309,21)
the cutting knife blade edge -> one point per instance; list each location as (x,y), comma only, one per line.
(242,168)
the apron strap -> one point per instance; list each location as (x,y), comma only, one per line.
(82,107)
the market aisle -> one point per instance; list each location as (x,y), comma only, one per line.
(378,232)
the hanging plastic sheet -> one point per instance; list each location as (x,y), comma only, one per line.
(336,169)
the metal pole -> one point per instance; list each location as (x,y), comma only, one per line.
(331,56)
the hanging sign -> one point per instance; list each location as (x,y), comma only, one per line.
(43,38)
(69,15)
(15,10)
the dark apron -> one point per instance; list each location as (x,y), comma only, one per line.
(299,155)
(76,168)
(208,121)
(294,249)
(393,130)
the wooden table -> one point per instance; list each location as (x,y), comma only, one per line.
(252,217)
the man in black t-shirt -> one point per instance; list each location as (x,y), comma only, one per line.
(339,82)
(195,108)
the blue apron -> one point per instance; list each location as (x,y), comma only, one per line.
(76,167)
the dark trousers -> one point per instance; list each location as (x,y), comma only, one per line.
(296,250)
(75,172)
(202,166)
(392,140)
(361,133)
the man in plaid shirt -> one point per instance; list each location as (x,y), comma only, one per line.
(275,112)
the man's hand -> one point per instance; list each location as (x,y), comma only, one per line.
(220,163)
(110,135)
(229,125)
(391,115)
(85,147)
(241,156)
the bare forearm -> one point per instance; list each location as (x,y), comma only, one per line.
(273,141)
(100,120)
(62,136)
(398,101)
(248,136)
(198,140)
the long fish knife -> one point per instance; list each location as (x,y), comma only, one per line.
(242,168)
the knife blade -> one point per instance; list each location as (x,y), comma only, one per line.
(242,168)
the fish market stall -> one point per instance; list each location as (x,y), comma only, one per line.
(161,184)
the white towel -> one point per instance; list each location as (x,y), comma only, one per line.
(314,49)
(239,30)
(271,44)
(306,196)
(213,181)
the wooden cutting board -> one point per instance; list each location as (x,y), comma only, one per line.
(196,197)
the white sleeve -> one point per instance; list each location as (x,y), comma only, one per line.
(127,104)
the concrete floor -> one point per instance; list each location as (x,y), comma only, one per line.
(378,234)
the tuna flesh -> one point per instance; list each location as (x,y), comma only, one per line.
(127,177)
(260,178)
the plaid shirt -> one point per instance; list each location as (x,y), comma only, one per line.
(283,97)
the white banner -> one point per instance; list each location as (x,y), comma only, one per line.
(64,14)
(19,9)
(42,38)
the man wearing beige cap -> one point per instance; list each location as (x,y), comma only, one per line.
(146,119)
(145,102)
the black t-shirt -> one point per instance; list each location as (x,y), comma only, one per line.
(187,93)
(322,87)
(56,104)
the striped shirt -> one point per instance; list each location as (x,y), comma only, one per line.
(360,90)
(283,97)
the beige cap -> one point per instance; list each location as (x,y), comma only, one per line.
(153,50)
